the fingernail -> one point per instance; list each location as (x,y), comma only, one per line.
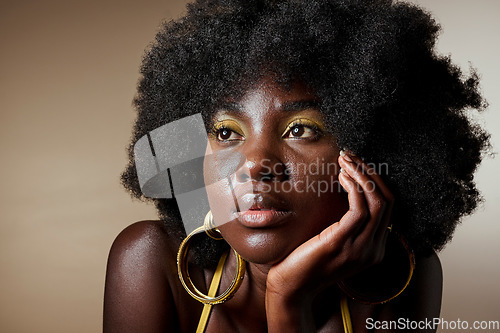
(342,170)
(345,156)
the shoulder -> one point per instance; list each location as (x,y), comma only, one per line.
(422,299)
(144,246)
(140,271)
(427,285)
(429,267)
(142,238)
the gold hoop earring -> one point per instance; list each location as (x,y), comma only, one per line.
(182,270)
(353,287)
(210,228)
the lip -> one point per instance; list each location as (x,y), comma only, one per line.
(262,218)
(260,210)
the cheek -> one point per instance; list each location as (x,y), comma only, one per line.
(318,196)
(221,201)
(218,168)
(320,203)
(314,172)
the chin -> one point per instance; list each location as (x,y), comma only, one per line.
(265,247)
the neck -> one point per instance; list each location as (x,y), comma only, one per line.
(254,283)
(257,276)
(250,295)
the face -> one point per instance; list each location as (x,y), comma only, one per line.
(283,188)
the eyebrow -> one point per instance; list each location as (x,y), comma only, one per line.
(231,106)
(300,105)
(292,106)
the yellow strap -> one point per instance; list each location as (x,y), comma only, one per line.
(214,286)
(211,292)
(346,316)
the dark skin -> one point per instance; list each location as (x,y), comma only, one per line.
(308,243)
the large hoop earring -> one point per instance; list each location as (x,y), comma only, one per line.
(187,283)
(351,288)
(210,228)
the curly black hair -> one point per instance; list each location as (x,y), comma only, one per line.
(386,94)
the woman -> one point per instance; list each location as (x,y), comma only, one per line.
(293,93)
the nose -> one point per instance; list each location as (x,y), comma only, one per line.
(263,163)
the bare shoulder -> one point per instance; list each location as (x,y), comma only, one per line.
(429,268)
(140,270)
(143,238)
(421,300)
(428,285)
(144,246)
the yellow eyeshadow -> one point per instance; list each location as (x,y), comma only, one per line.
(304,122)
(229,124)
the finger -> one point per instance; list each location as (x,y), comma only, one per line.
(357,215)
(381,186)
(374,235)
(376,231)
(368,188)
(370,171)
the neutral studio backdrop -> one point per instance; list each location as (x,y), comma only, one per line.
(68,71)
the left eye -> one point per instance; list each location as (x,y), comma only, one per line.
(300,131)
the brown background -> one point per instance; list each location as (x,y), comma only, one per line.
(68,71)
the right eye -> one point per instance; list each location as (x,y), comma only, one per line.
(225,134)
(227,131)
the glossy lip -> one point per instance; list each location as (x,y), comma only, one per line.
(262,211)
(262,218)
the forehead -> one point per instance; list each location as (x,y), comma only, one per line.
(269,95)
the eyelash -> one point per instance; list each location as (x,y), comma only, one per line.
(219,127)
(304,123)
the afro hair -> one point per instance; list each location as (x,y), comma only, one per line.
(385,93)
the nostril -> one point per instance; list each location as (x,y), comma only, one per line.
(266,176)
(243,177)
(262,170)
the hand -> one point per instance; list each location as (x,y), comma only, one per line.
(344,248)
